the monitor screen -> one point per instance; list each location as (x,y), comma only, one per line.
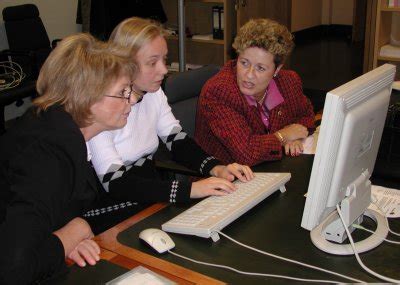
(352,123)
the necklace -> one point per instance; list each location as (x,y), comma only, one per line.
(262,98)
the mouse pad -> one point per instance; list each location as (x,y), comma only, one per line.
(272,226)
(101,273)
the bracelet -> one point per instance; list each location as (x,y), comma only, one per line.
(280,137)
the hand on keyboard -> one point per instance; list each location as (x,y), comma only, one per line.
(232,171)
(211,186)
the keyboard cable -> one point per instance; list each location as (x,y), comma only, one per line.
(251,273)
(290,260)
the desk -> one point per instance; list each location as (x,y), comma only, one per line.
(273,226)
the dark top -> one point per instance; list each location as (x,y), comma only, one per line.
(45,181)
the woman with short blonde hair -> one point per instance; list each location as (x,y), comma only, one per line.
(76,72)
(123,159)
(46,181)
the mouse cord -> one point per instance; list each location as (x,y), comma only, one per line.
(387,279)
(290,260)
(252,273)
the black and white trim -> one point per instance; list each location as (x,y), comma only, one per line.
(100,211)
(203,164)
(176,134)
(174,190)
(116,171)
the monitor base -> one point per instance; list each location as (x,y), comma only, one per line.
(318,239)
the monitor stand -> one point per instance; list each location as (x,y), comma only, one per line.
(318,239)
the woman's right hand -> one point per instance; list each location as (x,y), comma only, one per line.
(294,132)
(76,239)
(211,186)
(86,251)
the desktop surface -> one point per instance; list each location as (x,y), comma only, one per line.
(272,226)
(103,272)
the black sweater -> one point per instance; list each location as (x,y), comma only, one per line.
(45,182)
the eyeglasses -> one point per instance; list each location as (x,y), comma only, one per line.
(127,93)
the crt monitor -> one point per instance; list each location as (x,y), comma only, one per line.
(351,129)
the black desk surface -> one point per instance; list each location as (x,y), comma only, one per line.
(272,226)
(103,272)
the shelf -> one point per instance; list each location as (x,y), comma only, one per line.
(391,9)
(386,58)
(217,42)
(206,1)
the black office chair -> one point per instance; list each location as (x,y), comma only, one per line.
(182,90)
(29,46)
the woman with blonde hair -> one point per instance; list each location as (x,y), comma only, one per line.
(253,110)
(46,181)
(123,158)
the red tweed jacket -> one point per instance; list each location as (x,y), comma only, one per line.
(228,128)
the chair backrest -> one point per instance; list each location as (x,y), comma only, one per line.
(183,89)
(24,28)
(27,37)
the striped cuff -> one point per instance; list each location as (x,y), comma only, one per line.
(116,207)
(174,190)
(204,163)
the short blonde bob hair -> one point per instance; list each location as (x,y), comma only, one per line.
(77,73)
(133,33)
(268,35)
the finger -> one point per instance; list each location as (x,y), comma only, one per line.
(237,171)
(75,256)
(222,184)
(301,147)
(94,249)
(287,148)
(297,149)
(85,250)
(293,149)
(214,192)
(248,172)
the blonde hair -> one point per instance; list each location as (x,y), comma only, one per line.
(133,33)
(77,73)
(268,35)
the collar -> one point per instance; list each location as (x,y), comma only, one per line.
(273,98)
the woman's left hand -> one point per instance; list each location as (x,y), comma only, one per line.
(232,171)
(294,148)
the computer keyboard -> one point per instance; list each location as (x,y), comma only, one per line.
(216,212)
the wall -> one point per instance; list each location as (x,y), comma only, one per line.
(305,14)
(312,13)
(342,12)
(58,16)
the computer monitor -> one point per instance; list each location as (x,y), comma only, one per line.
(351,129)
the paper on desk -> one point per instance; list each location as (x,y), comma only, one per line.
(140,276)
(310,143)
(388,200)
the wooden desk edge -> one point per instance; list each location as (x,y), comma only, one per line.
(109,244)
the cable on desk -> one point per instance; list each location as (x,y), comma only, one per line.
(372,232)
(387,279)
(291,260)
(252,273)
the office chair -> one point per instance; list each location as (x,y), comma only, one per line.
(29,46)
(182,90)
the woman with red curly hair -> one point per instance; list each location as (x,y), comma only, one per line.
(253,110)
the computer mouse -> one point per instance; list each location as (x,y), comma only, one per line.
(157,239)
